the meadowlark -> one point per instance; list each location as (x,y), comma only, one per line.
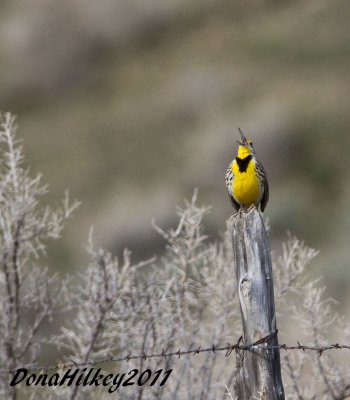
(246,178)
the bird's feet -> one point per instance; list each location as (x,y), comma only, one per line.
(252,207)
(244,210)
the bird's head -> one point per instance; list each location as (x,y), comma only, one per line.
(245,148)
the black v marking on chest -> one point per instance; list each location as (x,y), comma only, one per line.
(243,163)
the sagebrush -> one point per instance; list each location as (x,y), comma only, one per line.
(181,300)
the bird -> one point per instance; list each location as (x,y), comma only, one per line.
(246,179)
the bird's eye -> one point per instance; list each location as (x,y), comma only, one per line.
(250,142)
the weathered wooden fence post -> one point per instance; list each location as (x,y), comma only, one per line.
(259,369)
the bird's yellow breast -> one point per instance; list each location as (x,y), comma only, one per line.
(245,185)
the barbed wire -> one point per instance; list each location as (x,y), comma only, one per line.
(261,344)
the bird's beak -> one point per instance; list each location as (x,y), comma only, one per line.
(244,139)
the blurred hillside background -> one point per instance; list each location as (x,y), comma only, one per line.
(133,103)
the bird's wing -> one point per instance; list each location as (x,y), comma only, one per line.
(228,180)
(262,174)
(234,203)
(265,197)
